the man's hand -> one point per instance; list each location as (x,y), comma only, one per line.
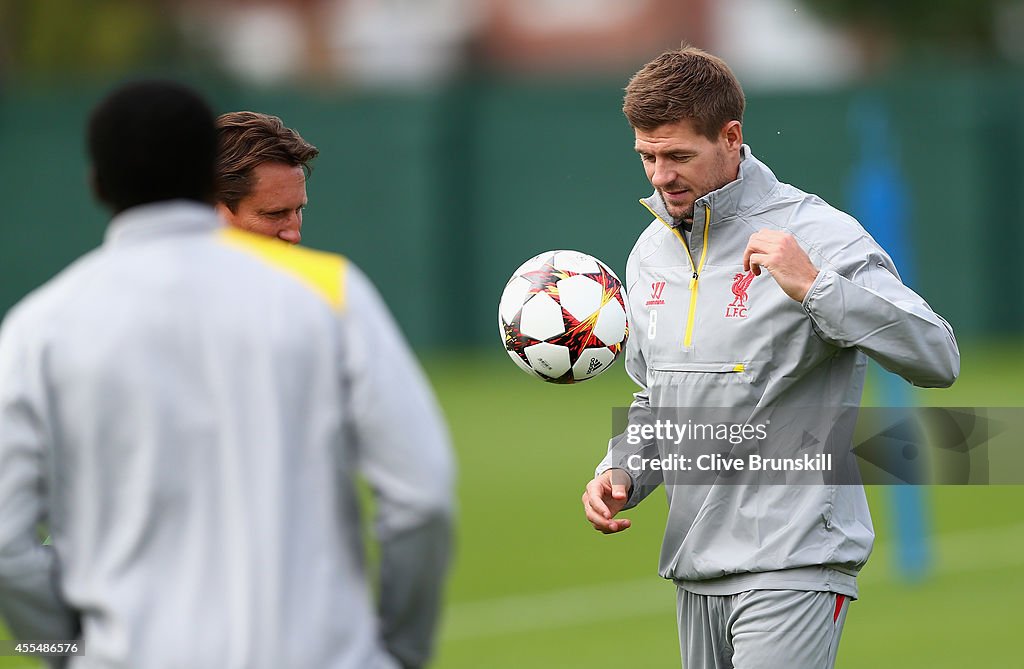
(781,255)
(604,497)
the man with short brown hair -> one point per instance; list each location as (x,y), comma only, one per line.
(793,297)
(262,167)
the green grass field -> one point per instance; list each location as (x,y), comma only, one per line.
(535,586)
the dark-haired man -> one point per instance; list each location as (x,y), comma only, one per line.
(186,408)
(768,303)
(262,166)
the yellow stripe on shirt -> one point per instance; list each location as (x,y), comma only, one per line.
(323,272)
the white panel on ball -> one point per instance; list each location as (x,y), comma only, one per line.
(534,263)
(574,261)
(522,364)
(611,323)
(592,361)
(513,297)
(580,296)
(541,318)
(548,359)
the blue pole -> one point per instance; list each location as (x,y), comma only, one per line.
(877,192)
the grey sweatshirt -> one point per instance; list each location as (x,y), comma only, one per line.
(186,409)
(729,339)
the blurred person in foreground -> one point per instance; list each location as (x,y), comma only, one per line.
(793,297)
(262,166)
(187,408)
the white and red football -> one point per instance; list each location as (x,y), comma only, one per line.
(562,316)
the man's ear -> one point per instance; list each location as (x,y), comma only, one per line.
(224,212)
(732,134)
(96,186)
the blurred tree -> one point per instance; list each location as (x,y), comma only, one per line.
(559,36)
(262,41)
(6,36)
(57,38)
(884,27)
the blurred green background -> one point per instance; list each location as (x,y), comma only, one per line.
(439,182)
(440,194)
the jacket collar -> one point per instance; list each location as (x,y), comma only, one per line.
(161,219)
(751,187)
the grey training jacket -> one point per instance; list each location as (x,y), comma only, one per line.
(729,339)
(187,408)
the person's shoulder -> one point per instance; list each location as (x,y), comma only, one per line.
(323,272)
(818,225)
(652,237)
(38,307)
(646,246)
(271,248)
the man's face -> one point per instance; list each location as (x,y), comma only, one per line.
(274,207)
(684,165)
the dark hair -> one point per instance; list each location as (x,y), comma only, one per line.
(247,139)
(685,84)
(150,141)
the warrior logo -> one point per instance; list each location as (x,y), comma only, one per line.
(656,289)
(738,308)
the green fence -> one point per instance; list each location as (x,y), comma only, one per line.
(438,195)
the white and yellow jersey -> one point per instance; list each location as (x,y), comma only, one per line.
(187,408)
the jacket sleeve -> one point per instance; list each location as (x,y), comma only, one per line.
(862,302)
(404,454)
(30,596)
(628,447)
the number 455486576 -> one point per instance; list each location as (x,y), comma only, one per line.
(40,648)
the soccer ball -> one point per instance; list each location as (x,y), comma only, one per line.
(562,317)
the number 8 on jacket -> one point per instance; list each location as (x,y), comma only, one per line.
(562,316)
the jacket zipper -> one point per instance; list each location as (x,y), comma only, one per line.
(696,268)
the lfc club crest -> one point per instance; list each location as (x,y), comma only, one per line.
(738,307)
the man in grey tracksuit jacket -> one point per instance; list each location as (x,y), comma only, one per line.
(770,353)
(711,328)
(778,353)
(187,409)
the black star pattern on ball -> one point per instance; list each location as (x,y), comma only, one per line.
(545,279)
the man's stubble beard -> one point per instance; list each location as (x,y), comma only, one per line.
(722,179)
